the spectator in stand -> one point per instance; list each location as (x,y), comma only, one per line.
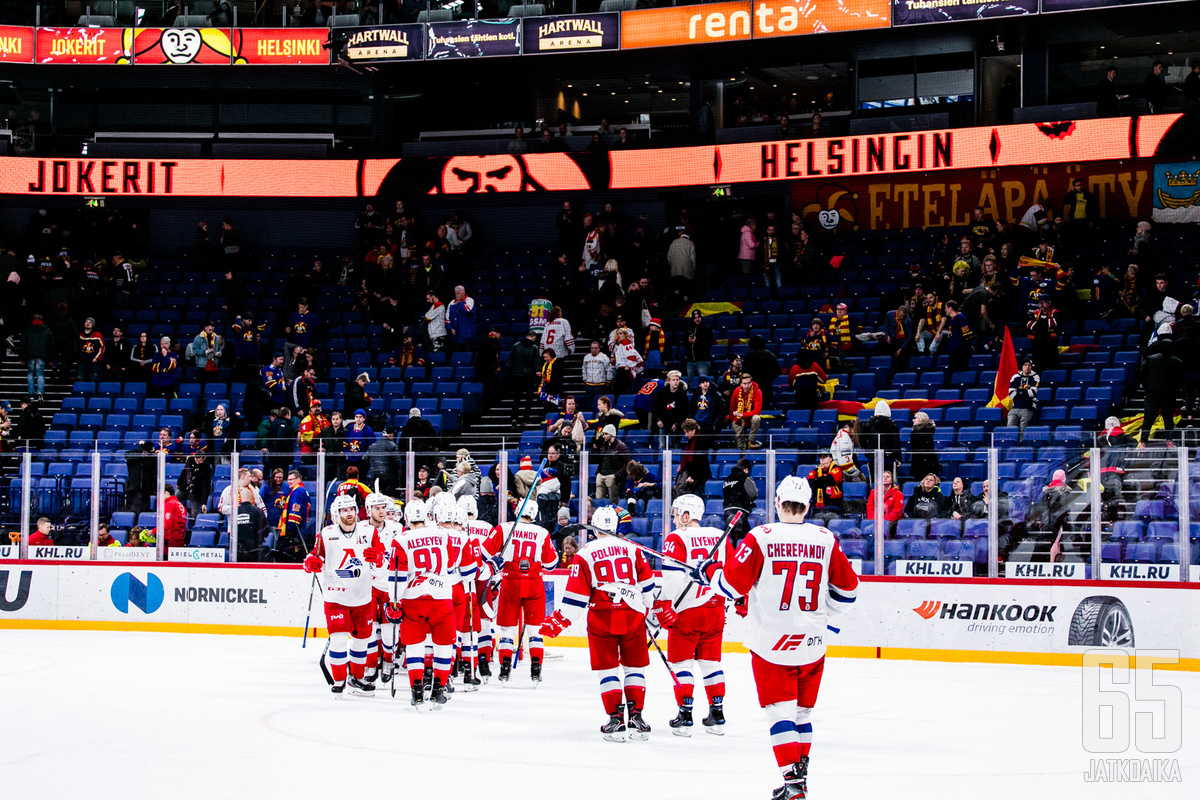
(641,486)
(466,481)
(763,367)
(926,499)
(247,344)
(957,504)
(117,356)
(245,493)
(1043,334)
(355,395)
(708,407)
(745,413)
(841,331)
(418,433)
(819,345)
(165,374)
(1187,347)
(772,249)
(523,365)
(671,408)
(730,379)
(826,483)
(517,145)
(289,544)
(369,224)
(1106,94)
(922,453)
(205,350)
(1162,375)
(956,339)
(570,229)
(525,478)
(277,443)
(738,493)
(175,519)
(142,358)
(627,365)
(196,480)
(550,379)
(1023,391)
(893,503)
(593,245)
(1081,210)
(310,428)
(460,318)
(698,346)
(644,402)
(817,128)
(332,440)
(41,536)
(355,488)
(747,245)
(251,533)
(930,316)
(880,432)
(597,370)
(231,246)
(557,335)
(359,438)
(273,382)
(37,347)
(897,332)
(302,329)
(606,415)
(383,463)
(31,426)
(842,451)
(681,258)
(435,323)
(610,470)
(654,347)
(304,392)
(104,536)
(89,352)
(694,469)
(1155,89)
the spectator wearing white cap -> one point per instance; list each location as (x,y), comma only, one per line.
(610,472)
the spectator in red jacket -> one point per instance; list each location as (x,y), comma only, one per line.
(745,413)
(41,537)
(175,519)
(893,500)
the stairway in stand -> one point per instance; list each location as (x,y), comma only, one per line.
(507,416)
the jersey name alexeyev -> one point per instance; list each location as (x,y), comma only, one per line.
(795,550)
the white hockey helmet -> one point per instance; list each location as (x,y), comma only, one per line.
(605,519)
(377,499)
(793,489)
(443,509)
(469,507)
(690,503)
(343,502)
(460,515)
(393,510)
(415,511)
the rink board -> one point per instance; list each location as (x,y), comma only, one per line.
(1000,621)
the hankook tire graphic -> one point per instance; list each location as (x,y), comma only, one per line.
(1101,622)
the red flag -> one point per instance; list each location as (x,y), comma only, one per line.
(1008,367)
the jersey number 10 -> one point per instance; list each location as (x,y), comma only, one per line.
(810,582)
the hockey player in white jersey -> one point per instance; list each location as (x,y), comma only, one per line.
(696,636)
(795,576)
(343,554)
(611,581)
(386,632)
(477,532)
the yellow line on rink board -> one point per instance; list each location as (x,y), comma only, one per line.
(834,651)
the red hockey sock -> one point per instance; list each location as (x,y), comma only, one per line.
(338,671)
(683,692)
(612,702)
(373,659)
(357,669)
(415,676)
(536,651)
(635,696)
(442,675)
(716,693)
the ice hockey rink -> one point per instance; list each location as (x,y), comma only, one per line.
(162,715)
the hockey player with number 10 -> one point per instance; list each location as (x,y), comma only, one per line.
(612,582)
(795,576)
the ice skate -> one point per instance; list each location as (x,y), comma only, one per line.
(337,690)
(386,670)
(795,782)
(682,724)
(485,669)
(418,695)
(438,697)
(714,723)
(505,669)
(361,687)
(639,731)
(535,670)
(614,729)
(470,682)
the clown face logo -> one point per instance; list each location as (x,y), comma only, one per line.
(181,45)
(829,219)
(833,207)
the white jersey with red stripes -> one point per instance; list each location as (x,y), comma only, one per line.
(608,573)
(528,552)
(691,544)
(347,576)
(427,564)
(388,534)
(794,574)
(478,531)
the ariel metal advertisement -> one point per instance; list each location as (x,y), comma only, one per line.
(474,38)
(585,33)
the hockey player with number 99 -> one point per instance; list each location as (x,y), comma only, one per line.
(612,582)
(795,576)
(343,554)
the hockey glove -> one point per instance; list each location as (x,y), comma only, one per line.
(393,612)
(663,615)
(313,563)
(741,607)
(554,626)
(703,572)
(374,556)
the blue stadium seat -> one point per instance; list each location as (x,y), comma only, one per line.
(912,528)
(1126,532)
(945,529)
(923,550)
(954,550)
(1143,553)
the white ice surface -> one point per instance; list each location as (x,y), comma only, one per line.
(93,715)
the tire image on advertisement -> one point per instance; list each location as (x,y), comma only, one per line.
(1101,621)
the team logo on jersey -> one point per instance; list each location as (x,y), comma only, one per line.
(351,567)
(127,590)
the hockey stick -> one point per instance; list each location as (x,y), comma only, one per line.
(728,529)
(324,666)
(396,626)
(662,655)
(308,616)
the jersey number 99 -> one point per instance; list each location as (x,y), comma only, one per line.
(616,570)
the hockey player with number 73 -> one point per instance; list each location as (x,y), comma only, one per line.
(612,582)
(795,576)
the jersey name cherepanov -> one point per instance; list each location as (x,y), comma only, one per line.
(795,550)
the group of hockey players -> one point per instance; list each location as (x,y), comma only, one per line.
(444,590)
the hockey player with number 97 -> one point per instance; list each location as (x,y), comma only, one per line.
(795,576)
(343,554)
(612,582)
